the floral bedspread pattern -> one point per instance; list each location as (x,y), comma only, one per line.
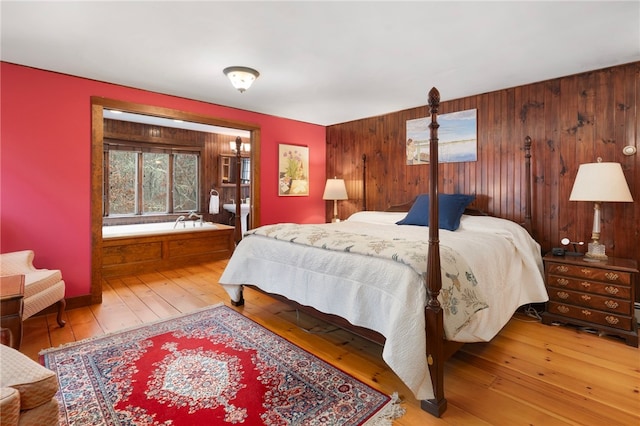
(460,298)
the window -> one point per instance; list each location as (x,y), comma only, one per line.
(155,171)
(149,181)
(122,182)
(185,182)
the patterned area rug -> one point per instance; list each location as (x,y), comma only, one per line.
(211,367)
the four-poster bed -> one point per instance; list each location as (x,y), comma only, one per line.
(421,298)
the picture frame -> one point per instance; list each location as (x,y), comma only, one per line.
(293,170)
(457,138)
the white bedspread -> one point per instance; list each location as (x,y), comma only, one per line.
(389,297)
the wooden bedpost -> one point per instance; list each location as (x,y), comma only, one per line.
(528,190)
(364,182)
(433,311)
(238,218)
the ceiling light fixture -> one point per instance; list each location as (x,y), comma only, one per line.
(241,77)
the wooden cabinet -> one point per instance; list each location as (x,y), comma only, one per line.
(599,295)
(146,253)
(227,166)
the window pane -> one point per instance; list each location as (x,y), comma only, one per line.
(245,170)
(154,182)
(122,182)
(185,182)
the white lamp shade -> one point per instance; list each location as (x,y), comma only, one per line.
(335,189)
(600,182)
(246,147)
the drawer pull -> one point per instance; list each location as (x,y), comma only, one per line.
(562,268)
(585,297)
(586,271)
(563,309)
(611,290)
(563,294)
(612,304)
(611,276)
(585,284)
(611,320)
(586,313)
(562,282)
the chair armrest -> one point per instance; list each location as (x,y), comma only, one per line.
(17,262)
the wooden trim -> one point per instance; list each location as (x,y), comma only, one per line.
(97,161)
(97,140)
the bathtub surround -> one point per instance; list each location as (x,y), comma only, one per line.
(146,247)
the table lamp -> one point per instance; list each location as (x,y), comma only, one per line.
(599,182)
(335,190)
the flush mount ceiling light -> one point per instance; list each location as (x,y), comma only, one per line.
(241,77)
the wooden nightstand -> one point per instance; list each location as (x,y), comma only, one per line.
(598,295)
(11,294)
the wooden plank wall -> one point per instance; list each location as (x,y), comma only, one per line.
(572,120)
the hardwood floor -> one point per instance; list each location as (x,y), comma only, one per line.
(530,374)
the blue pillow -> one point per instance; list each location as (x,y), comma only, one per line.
(450,209)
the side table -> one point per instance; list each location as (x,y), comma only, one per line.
(11,294)
(598,295)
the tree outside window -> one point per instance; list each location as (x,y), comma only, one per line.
(155,183)
(158,180)
(185,182)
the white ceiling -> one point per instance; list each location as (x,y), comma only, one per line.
(322,62)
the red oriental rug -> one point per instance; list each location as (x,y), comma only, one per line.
(211,367)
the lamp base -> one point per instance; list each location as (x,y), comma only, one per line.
(596,252)
(335,219)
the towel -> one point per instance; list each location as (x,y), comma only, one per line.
(214,204)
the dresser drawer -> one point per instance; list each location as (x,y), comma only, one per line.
(590,315)
(614,290)
(605,275)
(592,301)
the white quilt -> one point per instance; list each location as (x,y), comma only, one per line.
(388,296)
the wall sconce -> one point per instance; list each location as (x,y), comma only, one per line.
(335,189)
(241,77)
(244,147)
(599,182)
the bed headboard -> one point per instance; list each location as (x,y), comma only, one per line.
(473,211)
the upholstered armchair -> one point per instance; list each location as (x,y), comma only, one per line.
(42,287)
(27,391)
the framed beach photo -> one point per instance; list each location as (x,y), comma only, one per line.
(293,170)
(457,138)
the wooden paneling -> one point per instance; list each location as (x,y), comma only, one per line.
(143,253)
(572,120)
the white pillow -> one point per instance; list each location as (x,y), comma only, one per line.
(376,217)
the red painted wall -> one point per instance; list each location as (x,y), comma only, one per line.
(45,147)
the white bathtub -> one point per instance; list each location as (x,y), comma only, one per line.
(115,231)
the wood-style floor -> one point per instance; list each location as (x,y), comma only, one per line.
(530,374)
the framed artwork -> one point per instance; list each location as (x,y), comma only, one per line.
(293,170)
(457,138)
